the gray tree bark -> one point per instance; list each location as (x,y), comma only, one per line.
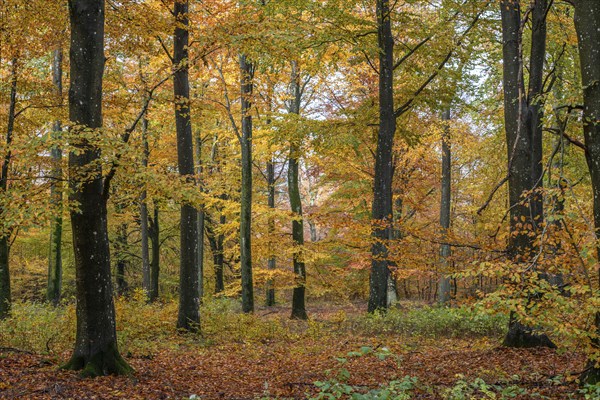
(5,295)
(144,232)
(522,121)
(382,185)
(299,293)
(247,86)
(272,262)
(122,260)
(587,24)
(53,289)
(96,351)
(189,303)
(154,235)
(446,198)
(201,218)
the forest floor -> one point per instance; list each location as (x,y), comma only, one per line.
(267,361)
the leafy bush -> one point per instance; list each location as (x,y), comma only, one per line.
(433,321)
(39,327)
(590,392)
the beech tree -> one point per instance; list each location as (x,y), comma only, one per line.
(189,303)
(53,291)
(245,138)
(587,24)
(382,184)
(5,295)
(523,125)
(299,294)
(446,196)
(96,351)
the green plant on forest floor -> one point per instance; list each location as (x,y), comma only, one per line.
(433,322)
(479,389)
(339,387)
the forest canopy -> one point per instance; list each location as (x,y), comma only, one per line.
(191,168)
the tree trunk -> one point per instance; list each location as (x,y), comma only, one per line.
(122,263)
(96,351)
(445,251)
(271,263)
(247,86)
(146,271)
(299,293)
(524,150)
(535,107)
(587,24)
(382,185)
(53,289)
(154,233)
(200,256)
(189,303)
(5,296)
(517,138)
(216,246)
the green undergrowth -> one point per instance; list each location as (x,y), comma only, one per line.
(145,329)
(435,321)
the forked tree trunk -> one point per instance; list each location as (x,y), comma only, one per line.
(523,138)
(53,289)
(96,351)
(382,184)
(587,24)
(189,303)
(5,295)
(218,262)
(247,86)
(299,293)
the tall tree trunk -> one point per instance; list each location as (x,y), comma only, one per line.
(299,294)
(247,86)
(121,280)
(524,150)
(5,296)
(53,290)
(517,138)
(122,262)
(216,246)
(189,303)
(535,107)
(587,24)
(382,184)
(146,271)
(96,351)
(392,290)
(444,283)
(154,233)
(120,253)
(200,256)
(272,262)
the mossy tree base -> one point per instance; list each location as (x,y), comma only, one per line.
(299,314)
(520,336)
(102,363)
(591,376)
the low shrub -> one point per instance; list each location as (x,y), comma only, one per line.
(433,321)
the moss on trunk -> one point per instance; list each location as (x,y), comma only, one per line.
(520,336)
(101,363)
